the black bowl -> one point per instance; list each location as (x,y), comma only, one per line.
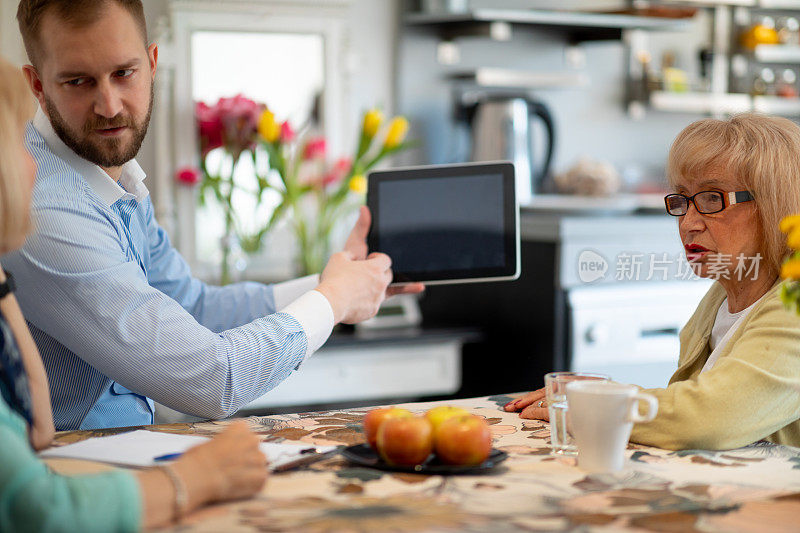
(364,455)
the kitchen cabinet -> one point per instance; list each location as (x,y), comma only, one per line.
(374,366)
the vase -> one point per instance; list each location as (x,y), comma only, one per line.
(312,255)
(234,260)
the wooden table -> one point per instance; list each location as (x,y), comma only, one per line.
(756,488)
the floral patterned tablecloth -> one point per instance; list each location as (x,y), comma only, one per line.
(755,488)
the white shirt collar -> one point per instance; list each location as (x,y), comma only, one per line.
(109,191)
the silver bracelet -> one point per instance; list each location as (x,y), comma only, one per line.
(181,496)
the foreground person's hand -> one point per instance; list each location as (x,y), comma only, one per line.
(232,461)
(228,467)
(532,405)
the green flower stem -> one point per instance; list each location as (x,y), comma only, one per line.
(383,153)
(364,143)
(225,274)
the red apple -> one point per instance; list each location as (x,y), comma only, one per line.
(373,419)
(463,440)
(405,441)
(439,414)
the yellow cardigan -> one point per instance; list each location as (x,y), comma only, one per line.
(751,393)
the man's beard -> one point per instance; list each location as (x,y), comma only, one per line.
(106,153)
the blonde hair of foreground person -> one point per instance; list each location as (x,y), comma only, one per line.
(762,152)
(16,108)
(229,466)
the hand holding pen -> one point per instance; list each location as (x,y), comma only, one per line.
(308,456)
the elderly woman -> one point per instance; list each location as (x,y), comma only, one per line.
(32,497)
(738,376)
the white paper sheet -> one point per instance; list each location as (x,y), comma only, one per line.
(140,447)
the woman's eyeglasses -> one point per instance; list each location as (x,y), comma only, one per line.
(706,202)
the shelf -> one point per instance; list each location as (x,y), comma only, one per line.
(707,103)
(757,4)
(507,78)
(777,53)
(775,105)
(712,3)
(700,102)
(580,26)
(778,4)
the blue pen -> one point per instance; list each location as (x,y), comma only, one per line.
(167,457)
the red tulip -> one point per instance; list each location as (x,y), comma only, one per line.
(210,126)
(287,133)
(231,123)
(340,169)
(315,148)
(188,176)
(239,116)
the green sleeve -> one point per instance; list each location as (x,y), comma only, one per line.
(33,498)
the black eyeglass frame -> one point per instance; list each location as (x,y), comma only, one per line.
(728,199)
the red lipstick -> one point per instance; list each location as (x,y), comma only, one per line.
(695,251)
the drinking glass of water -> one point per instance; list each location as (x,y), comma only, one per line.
(561,441)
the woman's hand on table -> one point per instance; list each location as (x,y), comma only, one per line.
(228,467)
(532,405)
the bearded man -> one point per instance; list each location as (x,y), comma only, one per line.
(113,307)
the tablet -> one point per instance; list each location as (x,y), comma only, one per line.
(446,223)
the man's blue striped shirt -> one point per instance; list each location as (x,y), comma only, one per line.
(118,317)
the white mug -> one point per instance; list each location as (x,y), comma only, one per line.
(602,415)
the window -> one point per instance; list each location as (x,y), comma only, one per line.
(282,70)
(288,55)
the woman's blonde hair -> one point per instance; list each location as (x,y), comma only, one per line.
(16,108)
(761,152)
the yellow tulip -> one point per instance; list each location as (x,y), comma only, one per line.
(372,121)
(791,269)
(267,127)
(397,132)
(358,184)
(794,239)
(789,223)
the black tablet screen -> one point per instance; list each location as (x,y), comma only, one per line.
(439,224)
(446,223)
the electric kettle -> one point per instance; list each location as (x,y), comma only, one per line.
(501,129)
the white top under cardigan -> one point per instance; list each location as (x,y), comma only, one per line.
(725,325)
